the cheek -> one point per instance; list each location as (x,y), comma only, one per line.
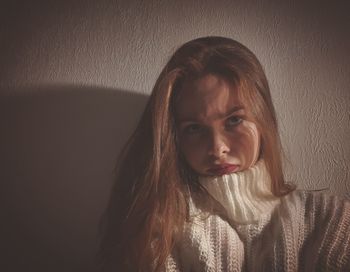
(193,151)
(247,143)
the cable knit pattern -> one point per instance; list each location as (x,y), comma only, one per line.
(244,199)
(303,231)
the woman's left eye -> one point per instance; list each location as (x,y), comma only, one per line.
(233,121)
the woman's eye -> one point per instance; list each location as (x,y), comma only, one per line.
(233,121)
(192,129)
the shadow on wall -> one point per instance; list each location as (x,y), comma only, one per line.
(58,148)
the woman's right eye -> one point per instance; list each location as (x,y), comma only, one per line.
(192,129)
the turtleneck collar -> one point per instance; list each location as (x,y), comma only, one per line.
(246,195)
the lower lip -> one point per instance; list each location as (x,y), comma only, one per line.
(224,170)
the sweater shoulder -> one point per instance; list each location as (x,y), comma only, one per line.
(327,227)
(322,203)
(318,209)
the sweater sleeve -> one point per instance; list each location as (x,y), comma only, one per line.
(327,248)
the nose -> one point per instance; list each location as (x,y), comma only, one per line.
(218,146)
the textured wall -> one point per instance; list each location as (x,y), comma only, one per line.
(74,76)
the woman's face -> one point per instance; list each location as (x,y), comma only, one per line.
(216,132)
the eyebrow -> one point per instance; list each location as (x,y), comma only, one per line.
(231,111)
(220,116)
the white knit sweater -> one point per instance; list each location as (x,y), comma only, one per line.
(303,231)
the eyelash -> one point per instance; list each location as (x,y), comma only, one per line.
(188,128)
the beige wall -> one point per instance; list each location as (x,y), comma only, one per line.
(75,75)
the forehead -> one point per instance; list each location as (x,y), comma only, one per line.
(209,97)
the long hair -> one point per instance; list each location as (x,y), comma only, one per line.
(149,201)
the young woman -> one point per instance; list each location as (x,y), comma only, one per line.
(200,184)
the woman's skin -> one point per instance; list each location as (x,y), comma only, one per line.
(216,132)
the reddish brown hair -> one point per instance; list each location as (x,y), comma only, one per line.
(149,202)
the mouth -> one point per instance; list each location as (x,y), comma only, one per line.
(223,169)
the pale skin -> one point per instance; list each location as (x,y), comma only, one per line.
(215,128)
